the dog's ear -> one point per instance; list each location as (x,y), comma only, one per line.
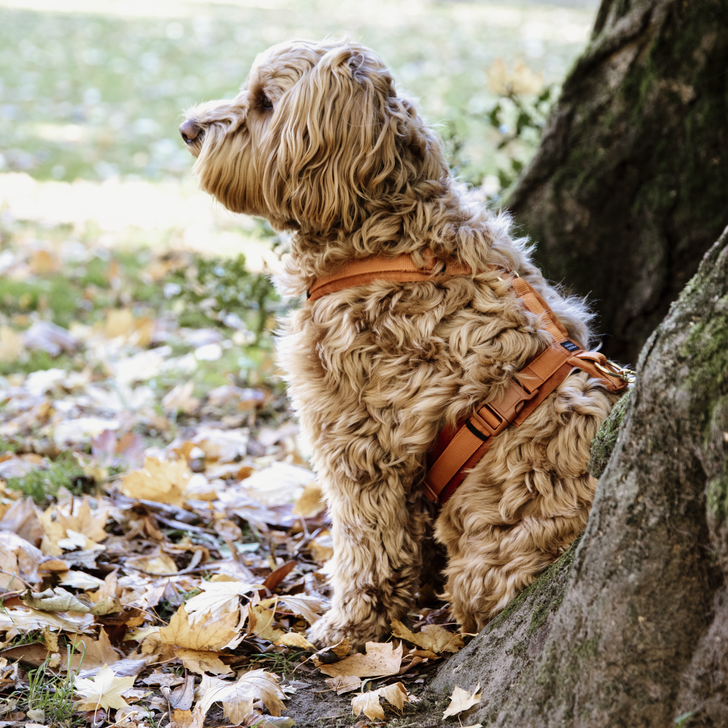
(342,143)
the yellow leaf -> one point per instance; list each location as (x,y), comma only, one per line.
(322,547)
(381,659)
(208,636)
(461,700)
(498,77)
(293,639)
(310,502)
(433,637)
(524,81)
(202,662)
(158,563)
(11,344)
(103,691)
(368,703)
(163,481)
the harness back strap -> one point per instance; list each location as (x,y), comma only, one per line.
(458,449)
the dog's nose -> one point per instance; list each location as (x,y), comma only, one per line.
(189,130)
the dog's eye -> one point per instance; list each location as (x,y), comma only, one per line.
(265,102)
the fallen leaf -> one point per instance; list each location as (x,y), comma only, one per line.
(381,659)
(20,558)
(294,639)
(432,637)
(311,501)
(217,598)
(188,719)
(104,691)
(461,700)
(164,481)
(95,653)
(11,344)
(212,635)
(368,703)
(180,399)
(237,698)
(203,662)
(343,683)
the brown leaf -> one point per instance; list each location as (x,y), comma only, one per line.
(368,703)
(433,637)
(311,501)
(212,635)
(276,577)
(22,519)
(381,659)
(164,481)
(203,662)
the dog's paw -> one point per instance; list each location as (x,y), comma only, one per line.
(331,629)
(326,632)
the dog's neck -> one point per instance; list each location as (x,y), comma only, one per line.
(445,228)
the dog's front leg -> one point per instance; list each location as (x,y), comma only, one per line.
(377,531)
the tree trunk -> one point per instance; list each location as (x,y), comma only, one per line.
(630,628)
(629,186)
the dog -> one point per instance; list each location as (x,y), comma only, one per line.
(320,143)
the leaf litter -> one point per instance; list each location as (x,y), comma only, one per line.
(163,542)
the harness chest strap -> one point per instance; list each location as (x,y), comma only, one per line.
(458,449)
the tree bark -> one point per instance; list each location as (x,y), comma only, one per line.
(629,186)
(630,628)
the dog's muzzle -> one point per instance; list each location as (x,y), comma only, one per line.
(189,131)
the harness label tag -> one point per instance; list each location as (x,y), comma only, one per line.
(570,346)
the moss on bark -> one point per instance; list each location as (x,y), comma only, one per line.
(630,185)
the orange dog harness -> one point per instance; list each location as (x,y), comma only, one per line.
(458,449)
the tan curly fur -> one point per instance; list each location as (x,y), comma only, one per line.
(319,142)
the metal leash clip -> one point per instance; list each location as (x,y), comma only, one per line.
(616,371)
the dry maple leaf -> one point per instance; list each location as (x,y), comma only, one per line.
(217,598)
(22,620)
(210,636)
(308,607)
(18,557)
(381,659)
(203,662)
(433,637)
(461,700)
(164,481)
(238,697)
(104,691)
(368,703)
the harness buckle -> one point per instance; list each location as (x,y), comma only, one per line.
(616,371)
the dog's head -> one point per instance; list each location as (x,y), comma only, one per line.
(317,139)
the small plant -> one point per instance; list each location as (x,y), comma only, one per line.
(49,697)
(518,121)
(42,484)
(224,290)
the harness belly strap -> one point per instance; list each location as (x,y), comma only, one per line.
(458,449)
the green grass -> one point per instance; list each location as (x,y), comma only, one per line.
(43,484)
(51,693)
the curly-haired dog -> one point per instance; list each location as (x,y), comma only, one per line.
(318,141)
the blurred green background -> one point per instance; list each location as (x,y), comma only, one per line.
(95,89)
(99,211)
